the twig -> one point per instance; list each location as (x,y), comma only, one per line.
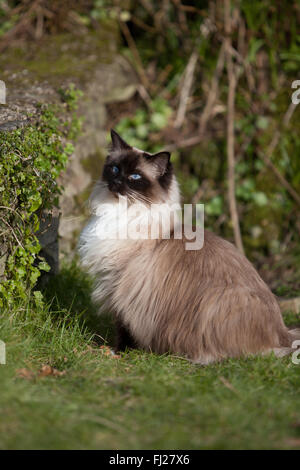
(200,191)
(160,18)
(189,142)
(181,16)
(189,8)
(39,23)
(228,385)
(148,6)
(185,89)
(25,18)
(206,114)
(213,92)
(135,53)
(230,129)
(242,53)
(13,210)
(162,77)
(144,95)
(13,232)
(143,25)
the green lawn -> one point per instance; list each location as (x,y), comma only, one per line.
(138,401)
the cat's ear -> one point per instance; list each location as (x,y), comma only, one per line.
(117,142)
(161,161)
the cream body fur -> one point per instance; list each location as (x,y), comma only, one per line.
(205,305)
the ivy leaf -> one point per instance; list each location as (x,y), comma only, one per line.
(43,266)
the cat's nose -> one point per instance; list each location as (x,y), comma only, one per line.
(116,185)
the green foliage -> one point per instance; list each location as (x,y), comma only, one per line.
(70,96)
(6,23)
(271,53)
(31,159)
(214,207)
(137,130)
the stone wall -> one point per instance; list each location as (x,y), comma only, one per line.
(104,77)
(114,82)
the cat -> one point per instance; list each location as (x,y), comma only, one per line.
(205,305)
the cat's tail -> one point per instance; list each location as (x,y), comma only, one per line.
(294,341)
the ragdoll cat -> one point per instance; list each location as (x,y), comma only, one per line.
(206,304)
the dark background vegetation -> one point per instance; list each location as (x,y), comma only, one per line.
(202,75)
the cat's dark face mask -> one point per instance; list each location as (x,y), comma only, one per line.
(124,174)
(136,174)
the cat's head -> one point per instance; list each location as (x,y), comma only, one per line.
(139,175)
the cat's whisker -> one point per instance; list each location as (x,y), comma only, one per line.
(140,198)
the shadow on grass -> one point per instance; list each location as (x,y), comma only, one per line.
(69,292)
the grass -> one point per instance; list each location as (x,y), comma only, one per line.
(139,401)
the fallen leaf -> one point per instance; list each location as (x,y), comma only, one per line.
(107,351)
(25,373)
(228,384)
(47,370)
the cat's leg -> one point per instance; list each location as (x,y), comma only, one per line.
(124,338)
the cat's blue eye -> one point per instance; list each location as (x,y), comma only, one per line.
(135,176)
(115,170)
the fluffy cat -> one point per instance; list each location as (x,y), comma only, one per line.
(205,305)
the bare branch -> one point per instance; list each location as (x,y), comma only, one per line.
(186,89)
(232,81)
(213,92)
(135,53)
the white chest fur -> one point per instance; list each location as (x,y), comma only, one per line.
(109,246)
